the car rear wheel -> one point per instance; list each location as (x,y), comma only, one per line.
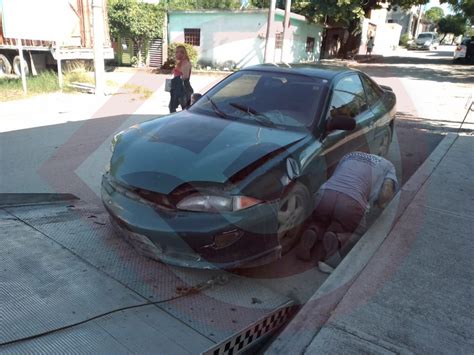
(293,210)
(385,142)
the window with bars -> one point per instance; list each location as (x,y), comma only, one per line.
(279,40)
(309,44)
(192,36)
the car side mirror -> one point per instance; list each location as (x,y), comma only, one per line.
(195,98)
(340,122)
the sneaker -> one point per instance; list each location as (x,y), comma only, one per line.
(308,240)
(330,243)
(325,268)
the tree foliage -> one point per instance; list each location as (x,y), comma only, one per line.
(455,24)
(464,7)
(203,4)
(434,14)
(134,19)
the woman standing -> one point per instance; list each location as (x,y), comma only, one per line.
(181,89)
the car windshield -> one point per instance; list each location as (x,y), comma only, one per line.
(266,98)
(425,36)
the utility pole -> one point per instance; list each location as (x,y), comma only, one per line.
(98,30)
(271,19)
(286,24)
(22,66)
(418,23)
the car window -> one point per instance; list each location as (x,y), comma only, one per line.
(372,91)
(286,99)
(425,36)
(244,86)
(348,98)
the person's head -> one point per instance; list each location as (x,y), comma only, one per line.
(181,53)
(386,193)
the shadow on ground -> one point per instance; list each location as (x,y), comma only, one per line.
(435,66)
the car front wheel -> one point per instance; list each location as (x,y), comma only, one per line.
(294,208)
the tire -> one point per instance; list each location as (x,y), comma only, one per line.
(385,142)
(293,210)
(16,66)
(5,66)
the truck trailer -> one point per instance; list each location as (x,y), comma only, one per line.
(74,29)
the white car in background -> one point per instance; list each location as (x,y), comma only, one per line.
(460,52)
(425,40)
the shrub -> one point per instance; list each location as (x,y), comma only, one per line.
(404,38)
(192,53)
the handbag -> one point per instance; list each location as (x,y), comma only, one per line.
(168,85)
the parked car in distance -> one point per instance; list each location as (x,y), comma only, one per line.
(464,51)
(425,40)
(230,181)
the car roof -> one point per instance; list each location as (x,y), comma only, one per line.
(328,72)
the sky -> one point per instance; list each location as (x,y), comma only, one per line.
(445,7)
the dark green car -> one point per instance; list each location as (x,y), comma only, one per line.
(230,181)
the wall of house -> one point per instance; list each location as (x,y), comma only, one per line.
(297,35)
(227,38)
(236,38)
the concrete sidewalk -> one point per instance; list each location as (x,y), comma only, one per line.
(408,285)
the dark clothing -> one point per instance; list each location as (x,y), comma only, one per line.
(181,92)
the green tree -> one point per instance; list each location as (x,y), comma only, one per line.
(345,12)
(202,4)
(134,19)
(434,14)
(464,7)
(455,24)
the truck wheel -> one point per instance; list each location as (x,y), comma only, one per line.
(5,66)
(16,66)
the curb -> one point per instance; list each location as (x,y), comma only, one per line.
(307,323)
(20,199)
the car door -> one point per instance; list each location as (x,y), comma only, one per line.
(348,98)
(381,116)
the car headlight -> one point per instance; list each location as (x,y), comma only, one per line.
(216,203)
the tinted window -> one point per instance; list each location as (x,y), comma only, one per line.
(286,99)
(425,36)
(372,91)
(348,98)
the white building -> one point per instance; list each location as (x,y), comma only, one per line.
(237,38)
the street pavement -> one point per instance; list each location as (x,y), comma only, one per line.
(407,286)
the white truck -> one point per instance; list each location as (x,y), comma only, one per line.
(73,24)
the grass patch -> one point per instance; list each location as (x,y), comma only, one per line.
(144,92)
(12,89)
(78,77)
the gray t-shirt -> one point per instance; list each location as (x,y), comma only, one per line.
(360,176)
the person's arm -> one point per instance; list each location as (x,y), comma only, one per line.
(389,186)
(386,193)
(186,70)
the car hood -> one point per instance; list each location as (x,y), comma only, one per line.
(164,153)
